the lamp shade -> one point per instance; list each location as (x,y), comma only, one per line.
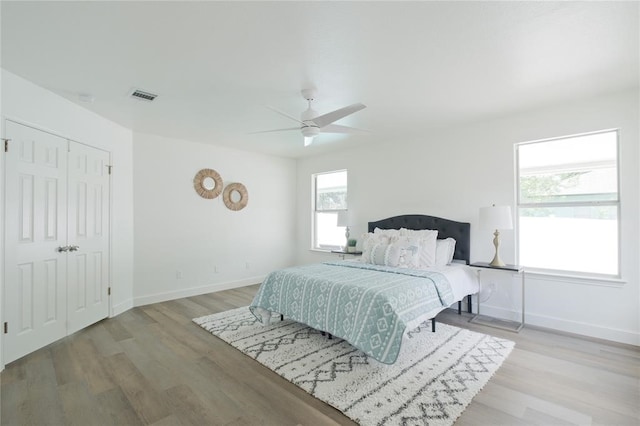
(496,217)
(343,218)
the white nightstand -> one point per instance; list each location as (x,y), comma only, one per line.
(496,322)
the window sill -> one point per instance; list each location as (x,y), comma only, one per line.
(601,281)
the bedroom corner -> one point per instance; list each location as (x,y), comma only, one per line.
(186,244)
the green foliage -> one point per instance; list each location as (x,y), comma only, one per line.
(553,188)
(332,200)
(352,242)
(546,187)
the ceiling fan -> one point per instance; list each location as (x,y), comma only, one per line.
(312,124)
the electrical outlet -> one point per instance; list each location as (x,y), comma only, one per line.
(215,269)
(179,275)
(247,265)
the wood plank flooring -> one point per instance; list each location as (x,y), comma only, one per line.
(152,365)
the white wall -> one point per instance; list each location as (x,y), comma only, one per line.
(453,172)
(187,245)
(27,103)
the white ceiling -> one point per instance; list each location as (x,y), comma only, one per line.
(215,65)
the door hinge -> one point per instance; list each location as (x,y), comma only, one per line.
(6,327)
(6,144)
(109,167)
(109,291)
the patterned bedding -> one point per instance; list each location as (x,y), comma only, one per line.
(367,305)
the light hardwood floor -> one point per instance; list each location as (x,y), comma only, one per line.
(152,365)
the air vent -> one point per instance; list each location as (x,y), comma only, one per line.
(141,94)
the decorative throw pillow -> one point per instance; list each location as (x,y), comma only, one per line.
(368,241)
(409,256)
(379,255)
(394,254)
(426,241)
(445,249)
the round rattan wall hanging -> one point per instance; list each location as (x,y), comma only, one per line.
(202,180)
(239,201)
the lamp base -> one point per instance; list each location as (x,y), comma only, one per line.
(346,238)
(496,242)
(497,261)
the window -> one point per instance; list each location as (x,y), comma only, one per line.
(569,204)
(330,197)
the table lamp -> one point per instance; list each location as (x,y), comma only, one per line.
(496,217)
(343,220)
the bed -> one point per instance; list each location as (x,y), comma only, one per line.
(371,303)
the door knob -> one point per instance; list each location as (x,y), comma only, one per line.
(62,249)
(74,248)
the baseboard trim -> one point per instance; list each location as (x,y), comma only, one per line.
(597,331)
(121,307)
(195,291)
(585,329)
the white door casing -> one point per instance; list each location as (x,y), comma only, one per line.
(45,283)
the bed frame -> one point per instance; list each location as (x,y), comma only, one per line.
(460,231)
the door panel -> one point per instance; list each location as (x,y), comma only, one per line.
(88,278)
(35,280)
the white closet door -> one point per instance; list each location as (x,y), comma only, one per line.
(88,236)
(56,239)
(35,304)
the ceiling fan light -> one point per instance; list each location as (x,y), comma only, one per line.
(310,131)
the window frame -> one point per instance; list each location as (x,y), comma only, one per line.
(315,211)
(595,203)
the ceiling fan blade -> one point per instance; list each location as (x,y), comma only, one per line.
(274,130)
(308,140)
(284,114)
(336,128)
(328,118)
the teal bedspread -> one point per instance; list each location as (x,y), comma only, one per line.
(367,305)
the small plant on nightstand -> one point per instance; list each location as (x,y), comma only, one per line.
(351,245)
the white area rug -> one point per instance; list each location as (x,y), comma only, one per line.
(431,383)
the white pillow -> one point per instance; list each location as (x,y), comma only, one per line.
(388,233)
(445,249)
(420,233)
(426,241)
(368,241)
(394,254)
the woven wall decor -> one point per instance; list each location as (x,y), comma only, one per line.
(198,183)
(240,189)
